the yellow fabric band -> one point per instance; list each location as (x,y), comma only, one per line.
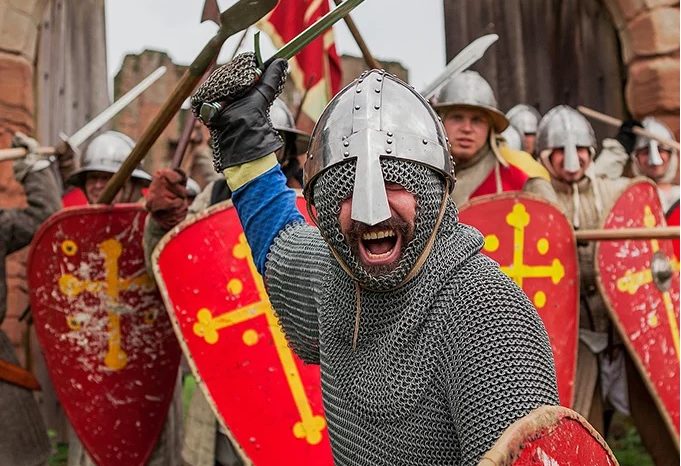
(525,162)
(239,175)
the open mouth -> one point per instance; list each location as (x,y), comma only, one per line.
(380,246)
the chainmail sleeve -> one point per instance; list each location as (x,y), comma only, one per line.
(496,360)
(295,270)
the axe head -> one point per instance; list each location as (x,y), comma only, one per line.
(243,14)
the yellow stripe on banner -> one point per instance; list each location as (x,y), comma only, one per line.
(525,162)
(328,40)
(316,100)
(311,10)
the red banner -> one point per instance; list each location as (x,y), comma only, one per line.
(316,70)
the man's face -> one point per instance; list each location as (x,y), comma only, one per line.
(96,181)
(557,160)
(529,140)
(379,248)
(654,172)
(467,130)
(94,184)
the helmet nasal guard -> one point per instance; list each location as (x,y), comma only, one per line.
(566,128)
(656,127)
(376,116)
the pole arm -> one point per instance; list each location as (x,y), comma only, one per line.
(236,18)
(628,233)
(369,59)
(612,121)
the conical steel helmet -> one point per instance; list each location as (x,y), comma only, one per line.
(658,128)
(283,121)
(106,153)
(376,116)
(566,128)
(469,89)
(524,118)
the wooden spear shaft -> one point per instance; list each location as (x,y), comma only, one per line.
(20,152)
(235,19)
(628,233)
(617,123)
(368,58)
(188,129)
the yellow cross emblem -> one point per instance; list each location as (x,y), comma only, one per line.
(71,286)
(632,280)
(519,219)
(207,326)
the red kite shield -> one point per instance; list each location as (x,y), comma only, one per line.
(108,343)
(550,435)
(639,281)
(267,398)
(534,244)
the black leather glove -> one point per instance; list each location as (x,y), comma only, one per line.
(626,136)
(242,131)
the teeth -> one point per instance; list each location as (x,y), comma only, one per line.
(378,234)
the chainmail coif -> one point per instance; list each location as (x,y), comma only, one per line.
(443,364)
(336,185)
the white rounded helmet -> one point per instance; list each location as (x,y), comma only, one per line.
(469,89)
(106,153)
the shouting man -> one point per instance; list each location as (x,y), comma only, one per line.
(427,350)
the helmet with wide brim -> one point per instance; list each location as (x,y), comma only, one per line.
(300,139)
(106,153)
(469,90)
(78,177)
(283,121)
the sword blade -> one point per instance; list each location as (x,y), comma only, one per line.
(461,62)
(315,30)
(97,122)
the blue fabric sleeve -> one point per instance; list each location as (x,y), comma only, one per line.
(265,206)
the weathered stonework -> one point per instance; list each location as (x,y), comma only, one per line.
(649,36)
(19,21)
(135,118)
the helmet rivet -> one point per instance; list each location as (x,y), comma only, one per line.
(377,106)
(390,134)
(388,150)
(346,154)
(425,141)
(356,107)
(378,90)
(389,141)
(379,79)
(358,90)
(346,143)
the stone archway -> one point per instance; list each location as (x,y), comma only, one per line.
(649,35)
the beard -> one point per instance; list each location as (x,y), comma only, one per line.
(404,234)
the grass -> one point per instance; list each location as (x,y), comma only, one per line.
(626,444)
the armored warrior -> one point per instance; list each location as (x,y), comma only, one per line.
(566,146)
(205,444)
(525,119)
(427,350)
(24,439)
(103,157)
(631,155)
(473,122)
